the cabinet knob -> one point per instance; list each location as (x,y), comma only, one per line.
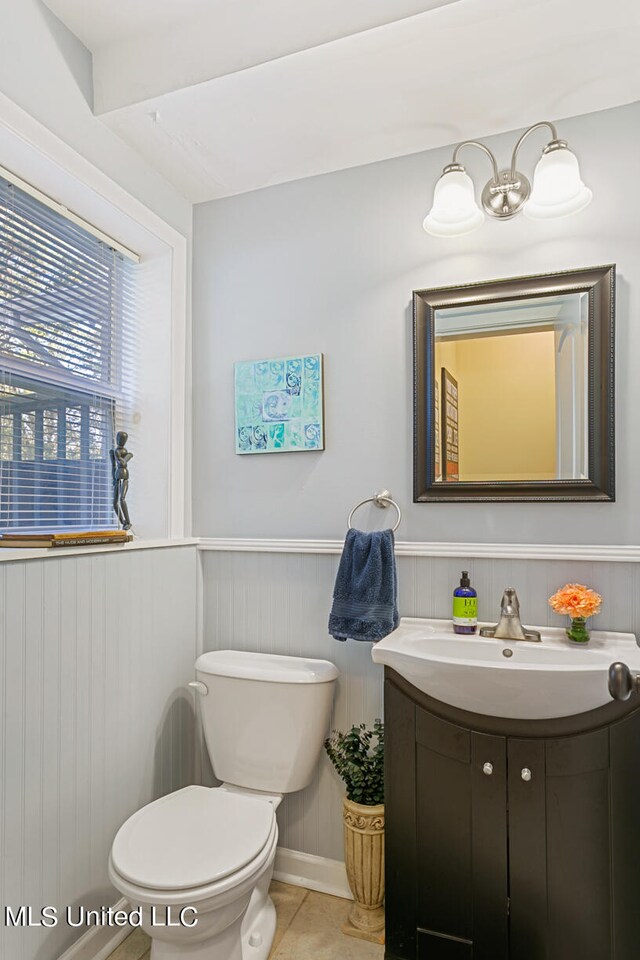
(488,769)
(526,774)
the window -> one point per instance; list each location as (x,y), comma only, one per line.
(66,367)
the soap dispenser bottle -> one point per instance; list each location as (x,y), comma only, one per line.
(465,606)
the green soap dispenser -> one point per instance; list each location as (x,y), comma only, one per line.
(465,606)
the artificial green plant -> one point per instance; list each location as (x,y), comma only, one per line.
(359,761)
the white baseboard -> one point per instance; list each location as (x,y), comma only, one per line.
(315,873)
(98,943)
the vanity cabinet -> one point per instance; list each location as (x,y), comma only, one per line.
(510,840)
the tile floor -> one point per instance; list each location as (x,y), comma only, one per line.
(309,928)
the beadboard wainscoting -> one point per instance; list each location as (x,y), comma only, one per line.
(95,652)
(279,602)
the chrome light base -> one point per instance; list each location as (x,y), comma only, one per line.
(503,198)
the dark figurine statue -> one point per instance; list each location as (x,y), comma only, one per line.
(119,459)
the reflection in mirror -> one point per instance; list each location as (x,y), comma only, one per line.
(511,390)
(514,389)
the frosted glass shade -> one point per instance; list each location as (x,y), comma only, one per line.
(454,211)
(558,190)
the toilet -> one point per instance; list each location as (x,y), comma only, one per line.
(198,862)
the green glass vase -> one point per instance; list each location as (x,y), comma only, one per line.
(578,632)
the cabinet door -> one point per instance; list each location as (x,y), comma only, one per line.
(527,850)
(579,847)
(559,848)
(400,826)
(625,834)
(489,852)
(461,842)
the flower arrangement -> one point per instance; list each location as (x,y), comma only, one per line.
(578,602)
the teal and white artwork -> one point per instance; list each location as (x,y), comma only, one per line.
(279,405)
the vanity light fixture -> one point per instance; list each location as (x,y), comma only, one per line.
(558,190)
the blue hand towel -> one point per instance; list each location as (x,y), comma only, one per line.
(365,597)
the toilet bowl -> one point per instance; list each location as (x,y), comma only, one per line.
(198,862)
(193,862)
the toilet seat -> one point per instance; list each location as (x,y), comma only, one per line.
(218,892)
(193,839)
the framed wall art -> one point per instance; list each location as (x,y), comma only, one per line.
(279,405)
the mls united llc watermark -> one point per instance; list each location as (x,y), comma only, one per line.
(28,916)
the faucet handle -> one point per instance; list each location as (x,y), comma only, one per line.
(510,605)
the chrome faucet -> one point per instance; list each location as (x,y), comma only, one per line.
(509,626)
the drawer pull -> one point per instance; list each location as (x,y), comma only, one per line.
(526,774)
(488,769)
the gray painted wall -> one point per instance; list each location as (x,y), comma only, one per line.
(59,93)
(279,603)
(95,720)
(328,264)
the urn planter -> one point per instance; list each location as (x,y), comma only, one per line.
(364,862)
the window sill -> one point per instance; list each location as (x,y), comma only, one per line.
(47,553)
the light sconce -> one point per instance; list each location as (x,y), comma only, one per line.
(557,190)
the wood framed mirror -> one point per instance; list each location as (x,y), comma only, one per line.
(514,389)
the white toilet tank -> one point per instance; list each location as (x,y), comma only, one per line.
(265,717)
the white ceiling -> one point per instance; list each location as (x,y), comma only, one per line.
(225,96)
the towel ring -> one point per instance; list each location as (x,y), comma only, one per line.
(382,500)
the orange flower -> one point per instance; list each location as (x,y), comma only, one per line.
(576,600)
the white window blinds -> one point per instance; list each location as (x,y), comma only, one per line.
(67,370)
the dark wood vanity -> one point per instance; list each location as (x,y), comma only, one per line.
(510,839)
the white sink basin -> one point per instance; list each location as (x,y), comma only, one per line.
(554,678)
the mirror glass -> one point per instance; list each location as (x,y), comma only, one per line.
(511,390)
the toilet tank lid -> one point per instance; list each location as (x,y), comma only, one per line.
(266,666)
